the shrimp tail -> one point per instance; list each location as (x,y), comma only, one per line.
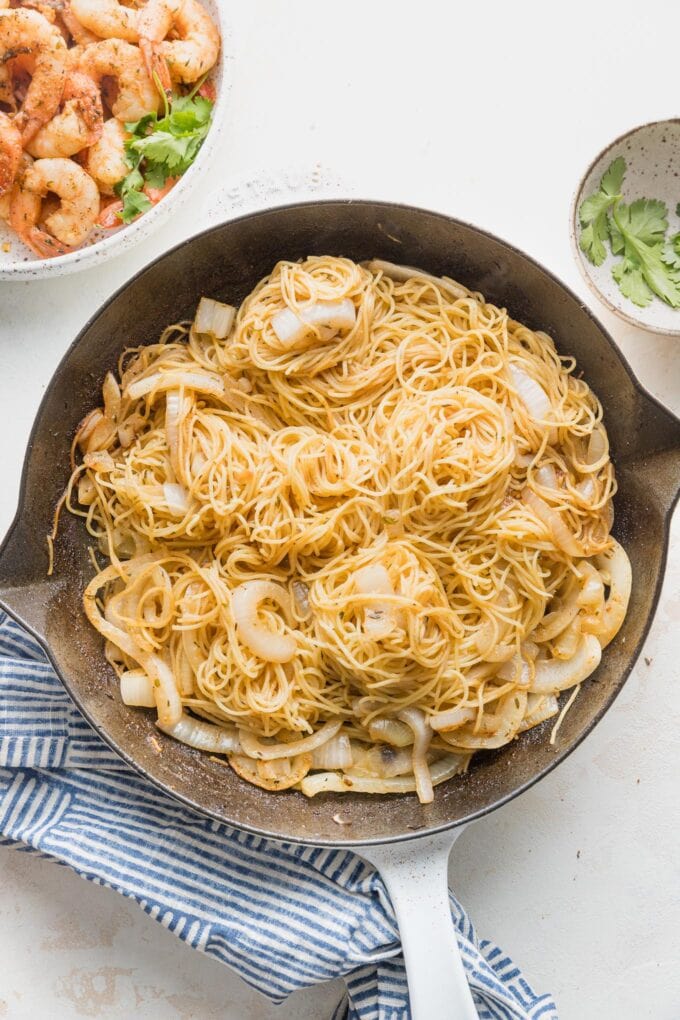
(156,65)
(43,244)
(88,103)
(108,218)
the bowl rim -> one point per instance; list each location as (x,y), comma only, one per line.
(87,256)
(573,234)
(130,760)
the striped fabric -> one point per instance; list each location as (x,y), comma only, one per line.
(283,916)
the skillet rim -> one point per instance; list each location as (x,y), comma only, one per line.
(426,830)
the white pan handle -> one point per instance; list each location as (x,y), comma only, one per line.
(416,876)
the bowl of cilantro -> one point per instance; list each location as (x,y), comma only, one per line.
(166,153)
(625,227)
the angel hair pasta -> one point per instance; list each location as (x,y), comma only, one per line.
(356,530)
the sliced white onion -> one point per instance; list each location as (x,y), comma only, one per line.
(254,748)
(518,670)
(173,416)
(382,762)
(330,316)
(266,644)
(200,382)
(617,565)
(422,733)
(591,595)
(301,596)
(504,725)
(546,476)
(390,731)
(561,535)
(564,646)
(379,617)
(176,497)
(202,735)
(87,490)
(336,753)
(598,446)
(586,489)
(554,623)
(99,460)
(539,708)
(111,395)
(136,688)
(451,720)
(335,782)
(280,774)
(400,274)
(532,395)
(214,318)
(554,675)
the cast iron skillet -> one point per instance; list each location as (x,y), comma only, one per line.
(225,263)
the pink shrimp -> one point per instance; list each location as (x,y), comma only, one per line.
(69,224)
(187,56)
(10,152)
(78,123)
(27,32)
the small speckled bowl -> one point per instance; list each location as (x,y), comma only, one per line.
(20,263)
(652,155)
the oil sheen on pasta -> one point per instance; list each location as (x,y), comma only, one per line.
(355,534)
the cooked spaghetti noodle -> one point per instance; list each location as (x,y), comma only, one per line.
(356,531)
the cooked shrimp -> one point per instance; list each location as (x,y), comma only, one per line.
(80,35)
(78,123)
(186,58)
(108,19)
(73,57)
(48,10)
(137,94)
(105,160)
(70,223)
(10,153)
(27,32)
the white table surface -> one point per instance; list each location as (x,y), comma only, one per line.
(488,111)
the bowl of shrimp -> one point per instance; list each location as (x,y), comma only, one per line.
(109,113)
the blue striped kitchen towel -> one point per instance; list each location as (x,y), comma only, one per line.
(284,917)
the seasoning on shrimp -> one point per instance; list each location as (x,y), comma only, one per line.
(27,32)
(70,224)
(89,93)
(10,153)
(78,124)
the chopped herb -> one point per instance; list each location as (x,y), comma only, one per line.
(594,210)
(650,264)
(161,149)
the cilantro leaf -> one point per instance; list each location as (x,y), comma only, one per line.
(134,204)
(631,282)
(594,209)
(612,178)
(161,148)
(642,227)
(671,252)
(647,218)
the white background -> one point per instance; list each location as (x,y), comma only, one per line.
(490,112)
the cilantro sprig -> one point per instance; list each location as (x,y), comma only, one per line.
(161,148)
(650,264)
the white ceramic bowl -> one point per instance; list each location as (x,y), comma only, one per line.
(20,263)
(652,155)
